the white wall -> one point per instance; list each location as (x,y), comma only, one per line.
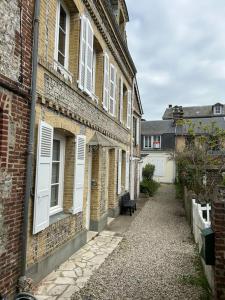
(165,171)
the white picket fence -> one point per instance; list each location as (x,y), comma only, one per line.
(201,220)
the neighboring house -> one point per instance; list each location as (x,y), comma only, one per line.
(158,147)
(198,116)
(86,90)
(192,112)
(15,85)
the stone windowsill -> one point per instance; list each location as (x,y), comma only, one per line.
(58,217)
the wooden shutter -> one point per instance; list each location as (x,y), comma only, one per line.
(89,58)
(137,132)
(79,173)
(43,177)
(82,62)
(128,109)
(119,171)
(106,82)
(127,183)
(112,94)
(121,100)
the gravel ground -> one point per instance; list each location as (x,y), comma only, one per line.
(156,252)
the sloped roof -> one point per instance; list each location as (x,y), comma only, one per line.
(200,123)
(157,127)
(99,139)
(191,112)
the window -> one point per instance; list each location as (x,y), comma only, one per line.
(129,107)
(156,142)
(62,40)
(94,71)
(152,142)
(121,100)
(217,109)
(58,154)
(134,130)
(147,142)
(86,56)
(112,92)
(49,179)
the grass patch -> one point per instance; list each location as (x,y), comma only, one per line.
(199,279)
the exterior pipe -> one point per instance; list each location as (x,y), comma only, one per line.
(29,170)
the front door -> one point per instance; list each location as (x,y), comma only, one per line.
(88,207)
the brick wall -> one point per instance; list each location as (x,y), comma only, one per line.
(15,81)
(13,146)
(218,225)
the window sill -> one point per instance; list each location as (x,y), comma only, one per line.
(58,217)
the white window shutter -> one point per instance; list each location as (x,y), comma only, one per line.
(89,58)
(79,174)
(119,175)
(127,183)
(128,109)
(82,58)
(121,100)
(106,82)
(137,132)
(43,177)
(112,93)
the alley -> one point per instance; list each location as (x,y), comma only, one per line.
(153,259)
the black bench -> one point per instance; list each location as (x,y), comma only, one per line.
(126,204)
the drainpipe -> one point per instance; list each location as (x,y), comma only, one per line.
(31,136)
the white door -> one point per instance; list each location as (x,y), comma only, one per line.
(88,206)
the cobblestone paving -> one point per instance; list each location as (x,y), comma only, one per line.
(72,275)
(153,260)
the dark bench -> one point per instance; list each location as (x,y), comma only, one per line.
(126,204)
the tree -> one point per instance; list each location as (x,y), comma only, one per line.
(203,155)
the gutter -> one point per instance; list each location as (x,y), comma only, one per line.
(29,166)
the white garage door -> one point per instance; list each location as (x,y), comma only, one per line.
(159,164)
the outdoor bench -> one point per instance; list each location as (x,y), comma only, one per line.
(126,204)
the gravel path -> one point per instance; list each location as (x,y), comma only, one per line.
(156,252)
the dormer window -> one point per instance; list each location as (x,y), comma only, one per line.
(218,109)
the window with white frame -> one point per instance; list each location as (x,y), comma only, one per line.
(156,142)
(152,142)
(217,109)
(57,179)
(49,179)
(147,142)
(62,40)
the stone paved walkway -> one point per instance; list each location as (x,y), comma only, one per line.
(76,271)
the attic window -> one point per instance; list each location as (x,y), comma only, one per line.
(218,110)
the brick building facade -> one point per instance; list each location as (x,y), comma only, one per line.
(15,82)
(83,127)
(218,226)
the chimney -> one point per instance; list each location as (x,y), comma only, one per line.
(178,113)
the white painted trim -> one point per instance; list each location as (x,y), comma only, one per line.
(60,2)
(58,208)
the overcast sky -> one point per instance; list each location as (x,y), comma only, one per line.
(178,47)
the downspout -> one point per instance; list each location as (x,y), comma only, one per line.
(29,170)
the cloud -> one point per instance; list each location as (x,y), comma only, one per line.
(179,50)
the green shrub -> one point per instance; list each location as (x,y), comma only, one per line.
(149,187)
(148,171)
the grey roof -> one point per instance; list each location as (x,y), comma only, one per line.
(157,127)
(200,123)
(192,112)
